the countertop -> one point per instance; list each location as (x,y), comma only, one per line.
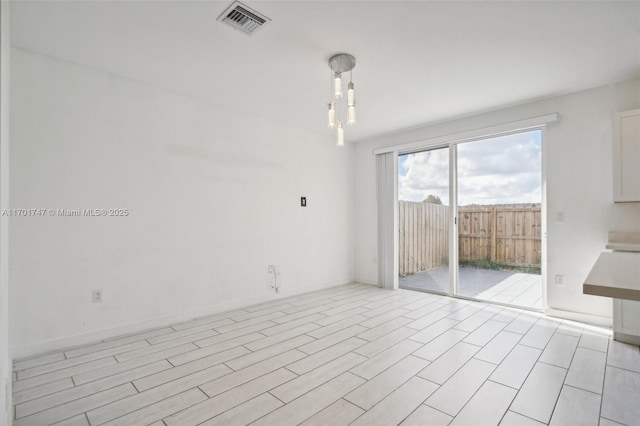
(615,275)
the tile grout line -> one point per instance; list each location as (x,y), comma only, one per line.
(604,380)
(578,388)
(555,405)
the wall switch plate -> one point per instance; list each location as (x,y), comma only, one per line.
(303,201)
(559,279)
(559,217)
(97,296)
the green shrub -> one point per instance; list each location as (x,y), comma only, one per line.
(489,264)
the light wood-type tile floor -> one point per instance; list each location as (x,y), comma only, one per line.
(353,354)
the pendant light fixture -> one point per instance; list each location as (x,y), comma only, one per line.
(339,64)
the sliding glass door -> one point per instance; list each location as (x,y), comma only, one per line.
(499,183)
(483,198)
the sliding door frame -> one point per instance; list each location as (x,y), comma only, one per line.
(453,220)
(451,142)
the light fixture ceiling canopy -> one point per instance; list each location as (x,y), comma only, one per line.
(342,62)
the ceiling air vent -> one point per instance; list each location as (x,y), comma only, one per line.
(243,18)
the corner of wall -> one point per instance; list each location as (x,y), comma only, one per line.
(5,355)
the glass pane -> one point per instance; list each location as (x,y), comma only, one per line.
(499,219)
(423,194)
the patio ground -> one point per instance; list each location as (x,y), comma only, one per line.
(514,288)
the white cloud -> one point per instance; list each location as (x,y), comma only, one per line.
(424,173)
(501,170)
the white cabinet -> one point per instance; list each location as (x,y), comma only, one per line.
(626,321)
(626,156)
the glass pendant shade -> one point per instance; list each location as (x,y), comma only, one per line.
(339,134)
(351,115)
(331,115)
(337,85)
(351,96)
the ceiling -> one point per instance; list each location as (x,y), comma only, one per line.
(417,61)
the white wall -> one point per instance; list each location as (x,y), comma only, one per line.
(579,183)
(213,195)
(5,355)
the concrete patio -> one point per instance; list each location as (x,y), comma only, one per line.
(513,288)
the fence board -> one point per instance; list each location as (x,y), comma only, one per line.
(423,241)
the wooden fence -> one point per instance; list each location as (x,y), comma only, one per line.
(504,234)
(424,236)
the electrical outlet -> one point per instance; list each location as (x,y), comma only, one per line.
(559,279)
(274,273)
(97,296)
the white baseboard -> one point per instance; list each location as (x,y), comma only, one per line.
(580,317)
(67,342)
(365,281)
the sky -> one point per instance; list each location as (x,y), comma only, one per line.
(502,170)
